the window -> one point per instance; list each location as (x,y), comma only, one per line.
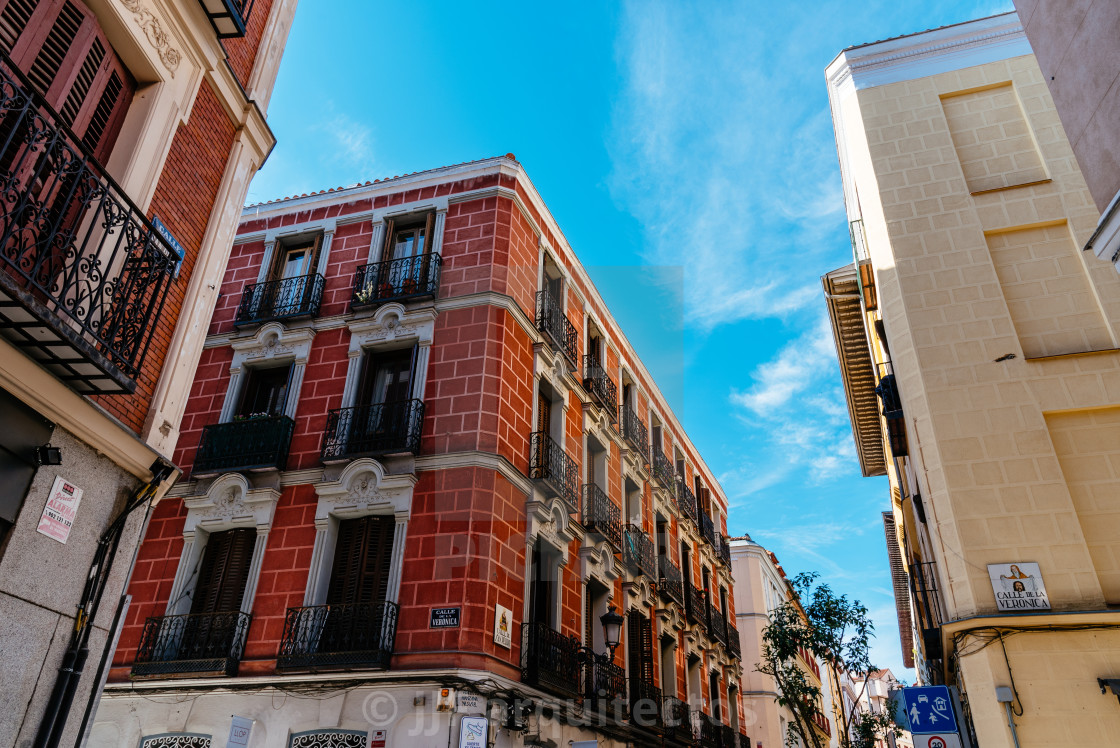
(595,605)
(406,257)
(639,636)
(655,435)
(633,508)
(265,392)
(224,571)
(362,559)
(713,690)
(542,585)
(669,666)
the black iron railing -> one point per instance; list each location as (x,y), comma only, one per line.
(707,528)
(604,682)
(601,515)
(893,414)
(744,741)
(83,273)
(195,644)
(552,321)
(372,430)
(717,624)
(249,444)
(344,636)
(734,644)
(396,280)
(663,470)
(228,17)
(725,549)
(708,736)
(686,500)
(600,386)
(550,660)
(930,615)
(645,703)
(638,552)
(286,298)
(695,603)
(677,720)
(634,431)
(670,584)
(728,738)
(550,464)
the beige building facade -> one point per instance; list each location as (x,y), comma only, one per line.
(979,351)
(1074,44)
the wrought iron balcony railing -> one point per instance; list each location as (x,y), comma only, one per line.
(604,682)
(638,552)
(707,528)
(717,624)
(196,644)
(725,550)
(228,17)
(677,720)
(686,500)
(396,280)
(551,465)
(552,321)
(634,431)
(338,637)
(663,470)
(600,386)
(373,430)
(734,644)
(728,738)
(708,734)
(286,298)
(670,585)
(601,515)
(250,444)
(550,660)
(645,703)
(744,741)
(695,603)
(84,274)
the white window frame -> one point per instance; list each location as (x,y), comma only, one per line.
(271,345)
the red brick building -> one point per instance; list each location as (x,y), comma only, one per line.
(129,131)
(419,454)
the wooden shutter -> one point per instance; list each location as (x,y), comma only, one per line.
(387,247)
(362,558)
(588,612)
(640,643)
(61,48)
(224,571)
(544,414)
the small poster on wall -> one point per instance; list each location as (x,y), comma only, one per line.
(62,506)
(503,627)
(1018,587)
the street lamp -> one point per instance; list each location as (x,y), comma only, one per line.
(612,629)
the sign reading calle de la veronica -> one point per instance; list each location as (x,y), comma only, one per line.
(1018,587)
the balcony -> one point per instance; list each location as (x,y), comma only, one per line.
(725,550)
(728,738)
(600,386)
(403,279)
(550,660)
(601,515)
(744,741)
(634,431)
(822,724)
(663,471)
(645,703)
(604,682)
(249,444)
(695,604)
(686,500)
(734,643)
(287,298)
(551,466)
(552,321)
(373,430)
(347,636)
(84,274)
(637,551)
(228,17)
(707,528)
(717,624)
(670,584)
(677,720)
(708,732)
(191,645)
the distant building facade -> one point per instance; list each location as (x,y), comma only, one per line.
(1068,40)
(978,349)
(423,466)
(129,131)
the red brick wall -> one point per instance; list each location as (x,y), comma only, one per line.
(184,198)
(242,51)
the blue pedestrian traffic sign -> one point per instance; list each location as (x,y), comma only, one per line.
(929,709)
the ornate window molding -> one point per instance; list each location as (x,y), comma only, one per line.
(361,489)
(271,344)
(328,739)
(229,502)
(391,326)
(176,740)
(548,521)
(597,561)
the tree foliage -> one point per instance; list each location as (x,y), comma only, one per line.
(838,632)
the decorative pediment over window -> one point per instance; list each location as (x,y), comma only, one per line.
(551,366)
(390,323)
(230,502)
(671,618)
(363,488)
(272,342)
(548,521)
(597,425)
(597,561)
(639,593)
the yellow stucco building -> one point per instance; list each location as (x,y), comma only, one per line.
(980,352)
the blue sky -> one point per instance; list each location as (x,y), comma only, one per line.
(686,150)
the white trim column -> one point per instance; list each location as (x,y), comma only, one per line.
(420,373)
(266,260)
(353,370)
(396,563)
(324,252)
(437,232)
(319,573)
(232,390)
(295,382)
(254,570)
(376,242)
(182,574)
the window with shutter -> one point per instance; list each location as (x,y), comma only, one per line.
(542,591)
(60,47)
(224,571)
(640,643)
(362,558)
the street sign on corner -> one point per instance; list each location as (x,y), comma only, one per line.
(929,712)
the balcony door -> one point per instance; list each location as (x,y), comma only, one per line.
(224,571)
(359,586)
(542,587)
(639,636)
(383,410)
(265,393)
(291,271)
(405,261)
